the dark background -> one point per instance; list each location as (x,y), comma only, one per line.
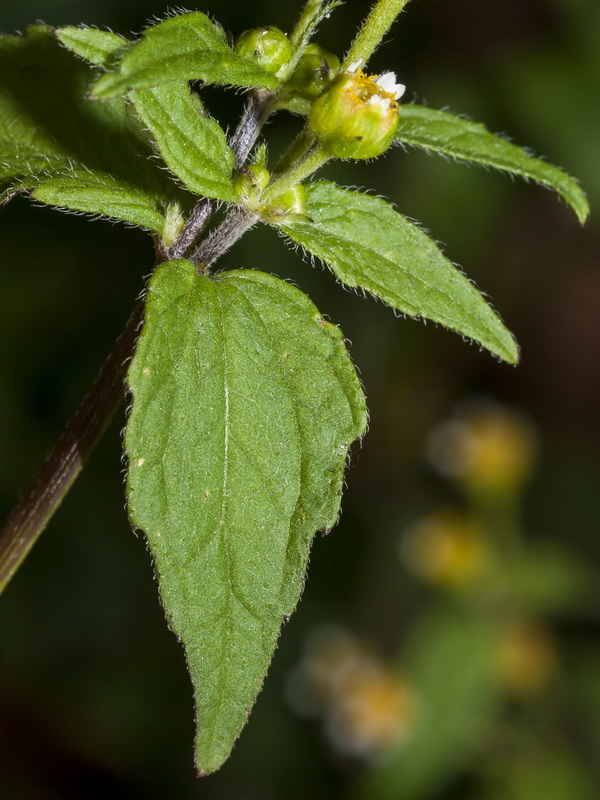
(94,696)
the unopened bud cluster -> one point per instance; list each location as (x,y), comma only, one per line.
(249,185)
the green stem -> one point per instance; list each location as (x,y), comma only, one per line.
(311,10)
(312,161)
(376,25)
(296,151)
(315,11)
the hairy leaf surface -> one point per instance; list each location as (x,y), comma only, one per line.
(97,47)
(193,146)
(369,245)
(460,138)
(245,403)
(185,47)
(100,193)
(49,130)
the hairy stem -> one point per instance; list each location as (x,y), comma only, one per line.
(69,455)
(297,150)
(310,11)
(219,240)
(376,25)
(257,110)
(315,11)
(196,223)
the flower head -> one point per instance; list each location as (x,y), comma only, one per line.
(357,115)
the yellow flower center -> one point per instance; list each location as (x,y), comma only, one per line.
(364,87)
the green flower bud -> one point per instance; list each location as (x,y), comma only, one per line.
(357,115)
(314,71)
(269,47)
(288,205)
(249,185)
(174,222)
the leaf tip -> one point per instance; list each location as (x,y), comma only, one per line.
(105,88)
(583,210)
(511,353)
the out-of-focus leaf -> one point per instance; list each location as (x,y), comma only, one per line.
(185,47)
(448,662)
(49,130)
(542,772)
(97,47)
(445,133)
(369,245)
(548,580)
(193,146)
(245,403)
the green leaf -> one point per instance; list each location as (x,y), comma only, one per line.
(369,245)
(194,147)
(185,47)
(445,133)
(100,193)
(245,403)
(49,130)
(97,47)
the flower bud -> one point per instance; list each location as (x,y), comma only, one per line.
(287,205)
(249,185)
(314,71)
(268,47)
(174,222)
(357,115)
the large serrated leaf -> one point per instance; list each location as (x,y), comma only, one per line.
(245,403)
(369,245)
(97,47)
(185,47)
(445,133)
(193,146)
(49,130)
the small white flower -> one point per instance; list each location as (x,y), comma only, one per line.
(387,82)
(355,65)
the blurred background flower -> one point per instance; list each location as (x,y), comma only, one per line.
(472,661)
